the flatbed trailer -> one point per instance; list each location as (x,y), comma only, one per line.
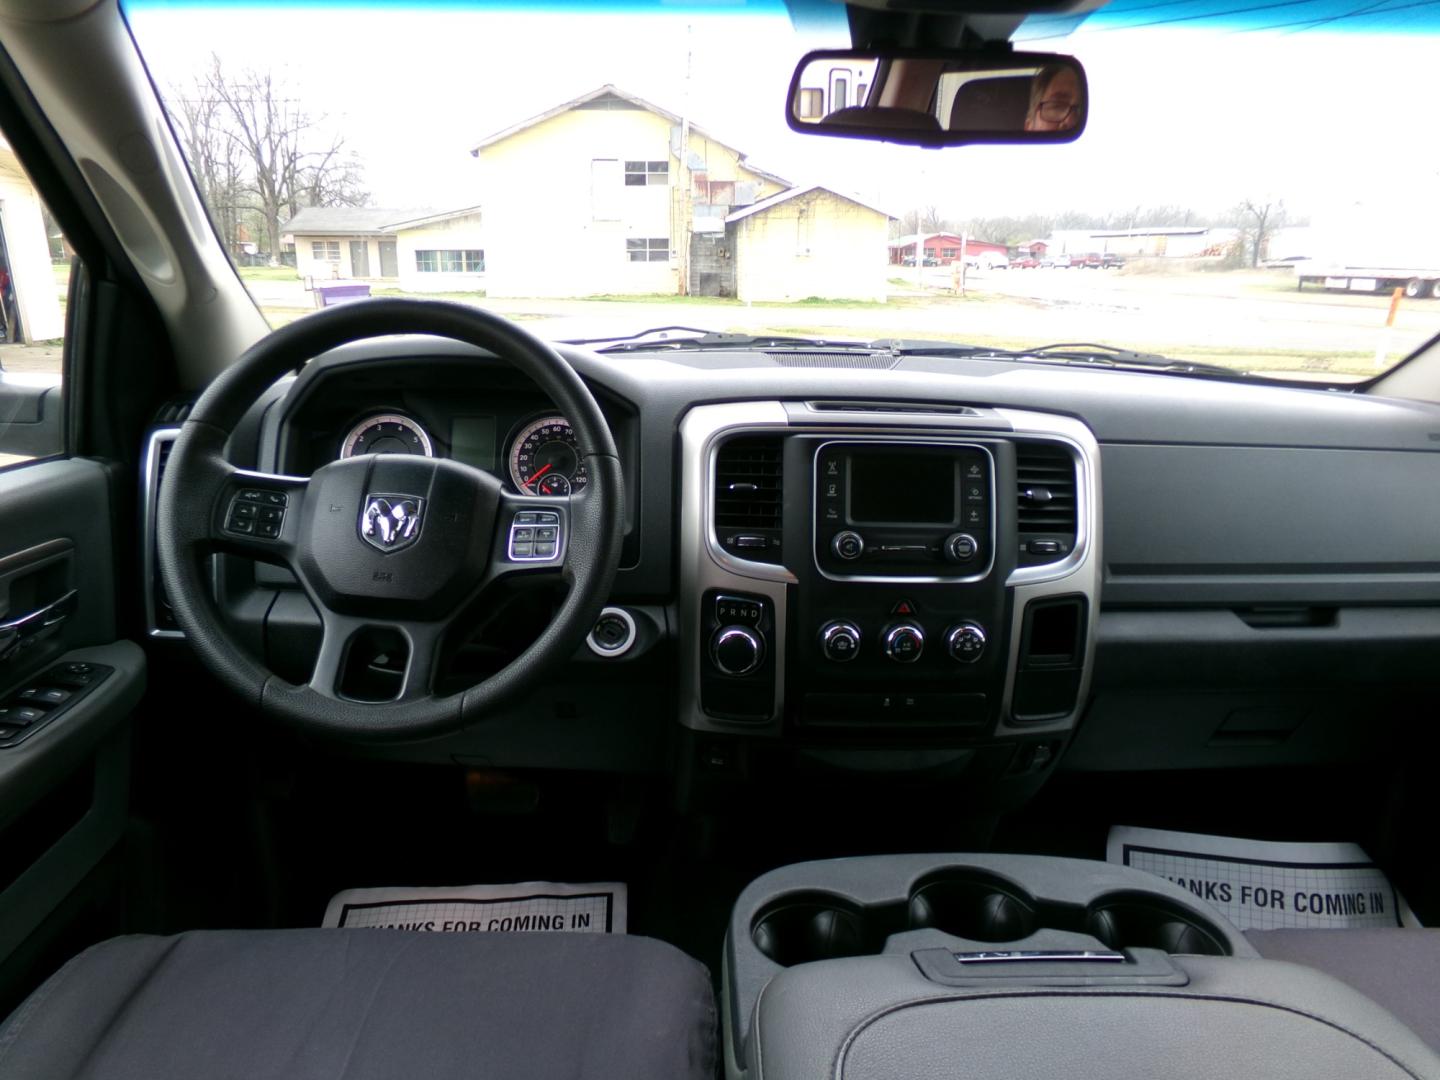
(1419,282)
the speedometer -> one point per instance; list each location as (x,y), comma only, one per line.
(544,459)
(388,433)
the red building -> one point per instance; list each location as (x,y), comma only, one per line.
(941,249)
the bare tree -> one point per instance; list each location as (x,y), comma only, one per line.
(255,148)
(1258,219)
(214,157)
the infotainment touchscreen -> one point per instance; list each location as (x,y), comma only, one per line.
(889,488)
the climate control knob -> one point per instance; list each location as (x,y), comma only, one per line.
(737,650)
(966,642)
(904,643)
(848,545)
(840,641)
(960,547)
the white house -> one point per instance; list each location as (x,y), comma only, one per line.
(603,194)
(25,251)
(810,242)
(442,252)
(345,241)
(420,250)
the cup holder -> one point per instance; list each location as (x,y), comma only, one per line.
(1140,920)
(976,906)
(817,926)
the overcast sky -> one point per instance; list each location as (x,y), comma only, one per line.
(1179,115)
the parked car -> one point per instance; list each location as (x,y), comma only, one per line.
(1025,262)
(1058,262)
(1111,262)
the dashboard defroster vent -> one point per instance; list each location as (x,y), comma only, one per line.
(749,497)
(1045,491)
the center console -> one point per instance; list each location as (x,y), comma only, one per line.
(856,576)
(997,967)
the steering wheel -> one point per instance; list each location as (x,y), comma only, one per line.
(385,542)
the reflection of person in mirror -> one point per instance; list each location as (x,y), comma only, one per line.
(1055,101)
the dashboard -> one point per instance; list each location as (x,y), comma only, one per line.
(948,568)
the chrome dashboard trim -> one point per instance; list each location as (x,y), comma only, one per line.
(705,565)
(149,496)
(1080,572)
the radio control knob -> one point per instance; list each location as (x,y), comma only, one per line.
(840,641)
(848,545)
(737,650)
(904,643)
(966,642)
(960,547)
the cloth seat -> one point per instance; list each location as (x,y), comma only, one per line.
(367,1005)
(1397,969)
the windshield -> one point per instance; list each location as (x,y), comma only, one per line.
(1251,192)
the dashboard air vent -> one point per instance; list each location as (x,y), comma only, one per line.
(173,411)
(1045,490)
(748,497)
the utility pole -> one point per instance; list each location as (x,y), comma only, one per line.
(919,247)
(686,183)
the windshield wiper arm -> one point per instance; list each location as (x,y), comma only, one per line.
(638,334)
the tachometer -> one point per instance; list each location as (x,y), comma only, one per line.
(544,459)
(389,433)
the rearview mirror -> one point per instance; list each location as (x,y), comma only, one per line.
(934,98)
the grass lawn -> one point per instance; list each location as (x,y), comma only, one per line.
(267,273)
(463,297)
(726,301)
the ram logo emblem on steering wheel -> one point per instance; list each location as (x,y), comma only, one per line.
(391,522)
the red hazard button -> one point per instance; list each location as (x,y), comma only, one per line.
(904,607)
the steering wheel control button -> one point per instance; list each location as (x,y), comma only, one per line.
(840,641)
(256,512)
(961,547)
(904,643)
(737,650)
(534,536)
(966,642)
(848,545)
(614,633)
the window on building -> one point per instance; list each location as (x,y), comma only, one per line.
(647,173)
(949,253)
(325,250)
(812,105)
(648,249)
(862,91)
(451,261)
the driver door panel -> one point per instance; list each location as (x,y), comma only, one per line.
(64,775)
